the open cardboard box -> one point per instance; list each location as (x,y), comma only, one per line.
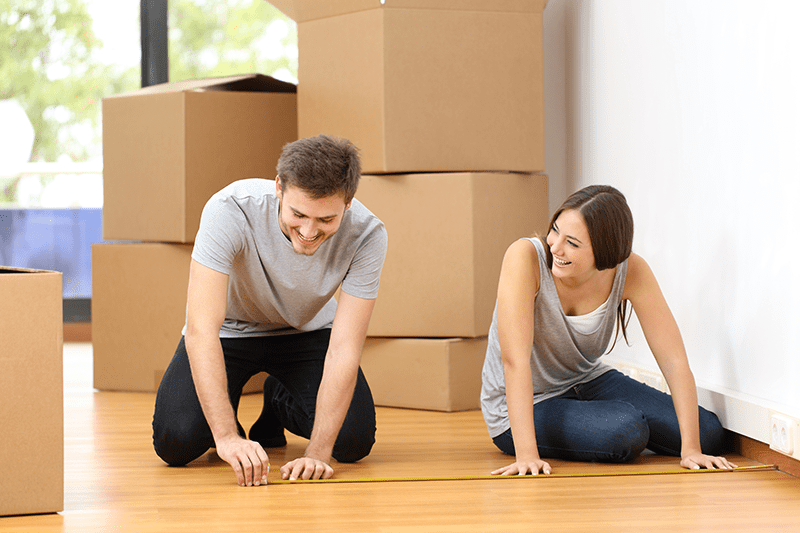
(31,392)
(424,85)
(168,148)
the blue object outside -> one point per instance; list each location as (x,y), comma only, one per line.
(53,239)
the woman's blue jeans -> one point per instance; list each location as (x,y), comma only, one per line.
(612,418)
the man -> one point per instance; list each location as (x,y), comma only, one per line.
(266,263)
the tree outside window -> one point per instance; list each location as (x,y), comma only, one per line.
(60,58)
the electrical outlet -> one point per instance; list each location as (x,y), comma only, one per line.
(781,433)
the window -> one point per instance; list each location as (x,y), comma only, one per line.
(58,60)
(208,38)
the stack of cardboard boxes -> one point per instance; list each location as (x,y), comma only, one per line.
(445,100)
(167,149)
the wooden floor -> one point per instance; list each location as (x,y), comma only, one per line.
(114,482)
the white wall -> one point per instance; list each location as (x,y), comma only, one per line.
(692,109)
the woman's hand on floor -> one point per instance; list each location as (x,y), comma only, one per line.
(697,461)
(522,468)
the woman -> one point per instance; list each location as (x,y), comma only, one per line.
(545,392)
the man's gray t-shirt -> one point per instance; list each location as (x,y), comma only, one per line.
(272,290)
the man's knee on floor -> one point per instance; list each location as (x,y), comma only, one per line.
(175,444)
(352,448)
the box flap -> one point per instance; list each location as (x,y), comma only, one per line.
(19,270)
(255,83)
(304,10)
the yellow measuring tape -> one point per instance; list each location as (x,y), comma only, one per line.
(475,478)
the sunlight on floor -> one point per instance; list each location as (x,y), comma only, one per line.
(77,359)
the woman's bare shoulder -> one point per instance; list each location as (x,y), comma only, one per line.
(521,262)
(638,278)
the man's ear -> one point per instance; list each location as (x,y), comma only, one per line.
(278,189)
(346,207)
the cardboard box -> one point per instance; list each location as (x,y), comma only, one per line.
(424,85)
(434,374)
(167,148)
(138,312)
(448,234)
(31,392)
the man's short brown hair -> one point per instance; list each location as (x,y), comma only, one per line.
(321,166)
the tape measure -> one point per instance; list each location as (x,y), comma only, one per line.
(540,476)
